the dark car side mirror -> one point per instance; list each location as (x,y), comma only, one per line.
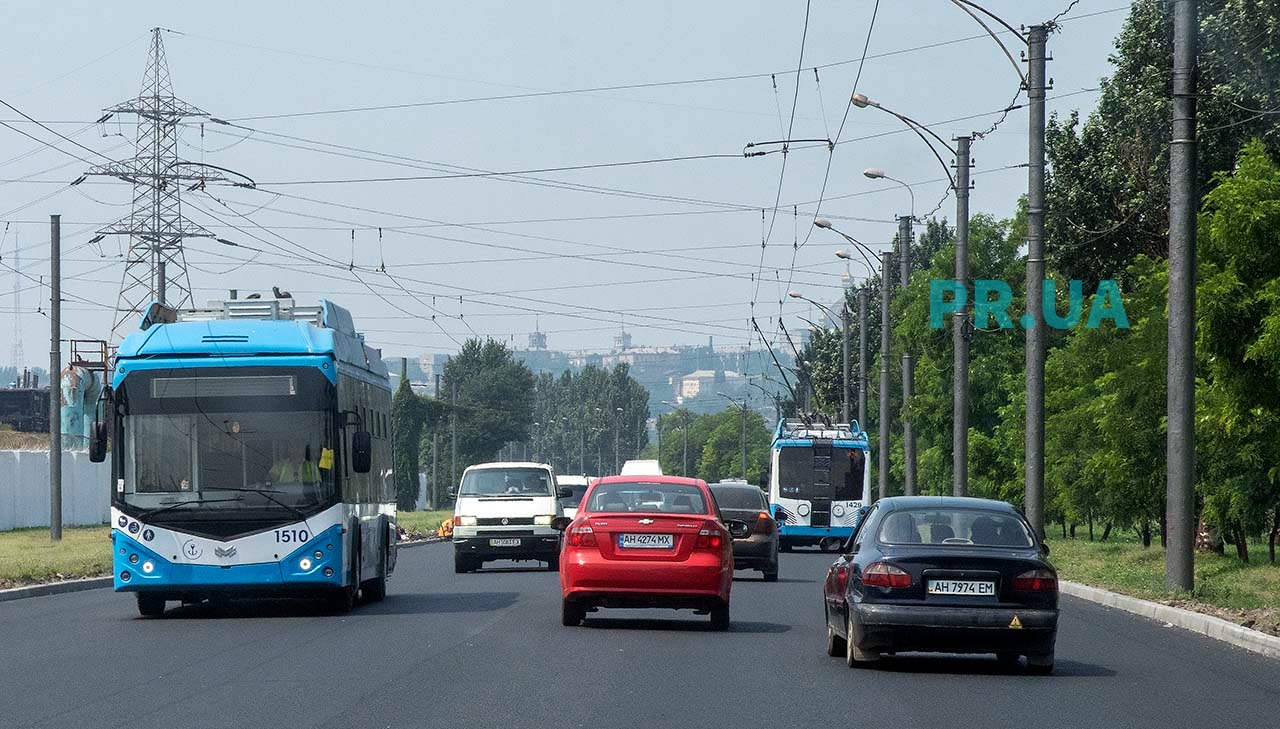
(738,529)
(98,442)
(1044,549)
(560,523)
(361,451)
(564,492)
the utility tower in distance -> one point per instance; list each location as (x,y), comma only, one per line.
(155,266)
(15,355)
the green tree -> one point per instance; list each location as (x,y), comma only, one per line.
(1108,188)
(494,403)
(1239,340)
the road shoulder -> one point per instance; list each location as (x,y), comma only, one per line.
(1208,625)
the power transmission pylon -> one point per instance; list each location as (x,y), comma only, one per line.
(16,356)
(155,267)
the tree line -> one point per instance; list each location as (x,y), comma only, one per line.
(1107,219)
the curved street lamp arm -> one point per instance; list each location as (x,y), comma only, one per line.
(919,128)
(1017,34)
(962,5)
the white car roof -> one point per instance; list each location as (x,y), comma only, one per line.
(507,464)
(641,467)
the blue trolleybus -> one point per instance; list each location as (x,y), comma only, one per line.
(818,480)
(251,455)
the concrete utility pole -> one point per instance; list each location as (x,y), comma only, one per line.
(844,351)
(908,367)
(744,439)
(1033,320)
(960,331)
(435,451)
(1183,203)
(453,435)
(160,283)
(685,430)
(55,378)
(886,259)
(862,357)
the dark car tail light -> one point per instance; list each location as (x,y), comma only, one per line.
(765,523)
(710,537)
(883,574)
(581,536)
(1036,581)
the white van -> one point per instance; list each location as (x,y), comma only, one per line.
(504,511)
(577,488)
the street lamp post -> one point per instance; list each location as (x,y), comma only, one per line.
(908,365)
(743,407)
(843,323)
(617,426)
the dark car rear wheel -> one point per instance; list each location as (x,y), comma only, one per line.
(572,613)
(771,573)
(835,644)
(720,617)
(855,657)
(553,564)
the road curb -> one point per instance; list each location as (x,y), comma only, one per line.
(1208,625)
(54,588)
(421,542)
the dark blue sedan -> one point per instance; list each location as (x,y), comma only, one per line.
(942,574)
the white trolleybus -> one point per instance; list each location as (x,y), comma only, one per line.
(250,455)
(819,479)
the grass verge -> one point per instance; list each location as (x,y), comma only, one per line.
(28,557)
(425,522)
(1248,594)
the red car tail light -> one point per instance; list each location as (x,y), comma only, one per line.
(765,523)
(581,536)
(710,537)
(1036,581)
(883,574)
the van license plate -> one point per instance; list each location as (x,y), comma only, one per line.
(504,542)
(646,541)
(962,587)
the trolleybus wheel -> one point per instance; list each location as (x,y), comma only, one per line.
(150,604)
(375,590)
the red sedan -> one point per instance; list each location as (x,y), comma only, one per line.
(647,541)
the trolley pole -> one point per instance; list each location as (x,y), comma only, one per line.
(1180,441)
(55,378)
(908,367)
(960,331)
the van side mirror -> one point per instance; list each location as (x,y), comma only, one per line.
(564,492)
(98,442)
(560,523)
(361,451)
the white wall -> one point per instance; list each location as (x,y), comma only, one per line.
(24,489)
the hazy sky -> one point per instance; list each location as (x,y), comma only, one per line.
(562,243)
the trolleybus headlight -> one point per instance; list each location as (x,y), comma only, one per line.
(133,559)
(543,520)
(148,567)
(318,554)
(125,576)
(802,510)
(305,564)
(837,510)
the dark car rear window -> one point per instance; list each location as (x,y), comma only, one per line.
(651,498)
(739,497)
(955,528)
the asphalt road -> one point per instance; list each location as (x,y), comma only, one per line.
(487,650)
